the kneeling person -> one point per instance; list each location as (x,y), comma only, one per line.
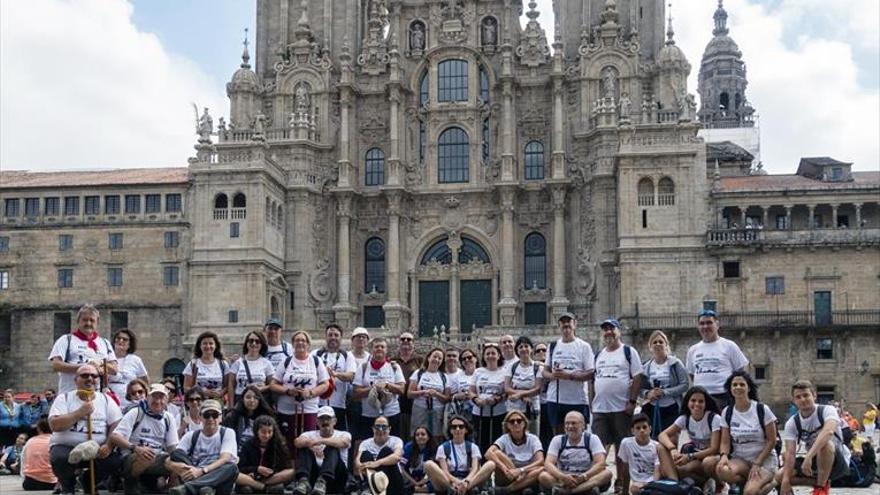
(205,460)
(146,435)
(322,457)
(638,455)
(456,467)
(518,455)
(575,460)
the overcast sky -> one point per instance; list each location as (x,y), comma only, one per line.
(109,83)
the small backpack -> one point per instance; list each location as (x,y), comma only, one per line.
(671,487)
(447,449)
(564,445)
(759,409)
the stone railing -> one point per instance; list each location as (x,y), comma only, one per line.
(221,213)
(238,213)
(815,237)
(760,320)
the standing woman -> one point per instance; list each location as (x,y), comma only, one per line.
(297,383)
(251,369)
(488,390)
(129,365)
(459,387)
(753,461)
(429,389)
(207,369)
(523,384)
(666,381)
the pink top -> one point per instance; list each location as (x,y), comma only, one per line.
(36,459)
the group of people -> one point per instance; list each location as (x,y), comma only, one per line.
(516,416)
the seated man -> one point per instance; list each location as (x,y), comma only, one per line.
(575,460)
(205,460)
(146,435)
(322,457)
(381,452)
(638,455)
(71,445)
(818,426)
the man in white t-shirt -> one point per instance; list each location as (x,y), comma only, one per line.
(711,361)
(278,350)
(206,460)
(72,445)
(569,364)
(637,456)
(819,428)
(508,351)
(360,338)
(379,384)
(83,345)
(381,452)
(322,457)
(575,460)
(147,434)
(341,366)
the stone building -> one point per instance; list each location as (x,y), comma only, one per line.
(434,165)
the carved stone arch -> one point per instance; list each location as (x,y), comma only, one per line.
(221,201)
(286,84)
(239,200)
(626,66)
(439,232)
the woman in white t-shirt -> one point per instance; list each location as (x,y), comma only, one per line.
(251,369)
(523,383)
(747,455)
(129,365)
(664,383)
(456,466)
(487,388)
(207,369)
(696,459)
(518,455)
(429,390)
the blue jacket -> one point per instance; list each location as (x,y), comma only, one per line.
(14,420)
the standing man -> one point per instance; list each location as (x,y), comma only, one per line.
(83,345)
(360,338)
(615,390)
(340,366)
(508,352)
(409,362)
(379,385)
(569,364)
(711,361)
(278,350)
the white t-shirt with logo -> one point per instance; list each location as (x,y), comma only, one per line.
(300,374)
(339,362)
(700,432)
(370,445)
(318,450)
(641,459)
(208,376)
(261,369)
(105,413)
(661,373)
(151,432)
(523,454)
(276,354)
(366,376)
(128,368)
(576,458)
(77,351)
(576,355)
(811,428)
(746,434)
(429,380)
(523,377)
(614,376)
(208,449)
(457,461)
(712,363)
(490,383)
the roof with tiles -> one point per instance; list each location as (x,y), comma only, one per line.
(17,179)
(861,180)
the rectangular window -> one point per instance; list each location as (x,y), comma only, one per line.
(5,330)
(824,348)
(234,229)
(710,305)
(12,207)
(4,244)
(837,173)
(61,324)
(171,276)
(93,205)
(71,205)
(824,394)
(111,205)
(4,279)
(760,373)
(32,207)
(65,242)
(775,285)
(374,316)
(114,276)
(65,278)
(452,80)
(173,203)
(644,219)
(781,222)
(132,203)
(52,206)
(233,316)
(535,313)
(115,240)
(731,269)
(153,203)
(172,239)
(118,320)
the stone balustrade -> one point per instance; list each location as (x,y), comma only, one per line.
(815,237)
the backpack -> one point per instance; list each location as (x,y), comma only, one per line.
(820,413)
(564,445)
(860,475)
(67,351)
(759,408)
(447,449)
(326,395)
(627,353)
(709,419)
(670,487)
(535,368)
(673,377)
(393,367)
(141,414)
(422,372)
(195,440)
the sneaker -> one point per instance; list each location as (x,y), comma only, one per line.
(320,487)
(85,451)
(301,487)
(822,490)
(709,487)
(735,489)
(207,490)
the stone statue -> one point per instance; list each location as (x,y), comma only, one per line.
(205,126)
(221,128)
(625,106)
(691,103)
(417,37)
(258,124)
(490,32)
(302,99)
(609,82)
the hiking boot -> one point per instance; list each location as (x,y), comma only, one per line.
(85,451)
(320,487)
(735,489)
(301,487)
(207,490)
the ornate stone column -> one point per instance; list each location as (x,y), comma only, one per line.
(858,215)
(454,243)
(346,83)
(834,208)
(507,304)
(394,120)
(559,303)
(788,225)
(395,312)
(812,209)
(558,159)
(508,174)
(343,309)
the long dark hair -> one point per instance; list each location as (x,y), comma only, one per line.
(263,407)
(431,446)
(711,405)
(753,387)
(197,347)
(277,446)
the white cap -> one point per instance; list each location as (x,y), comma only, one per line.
(158,388)
(326,411)
(360,331)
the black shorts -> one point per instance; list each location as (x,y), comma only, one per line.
(839,469)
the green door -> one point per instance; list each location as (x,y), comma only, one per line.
(475,305)
(433,307)
(822,307)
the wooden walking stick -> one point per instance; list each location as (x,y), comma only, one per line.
(88,395)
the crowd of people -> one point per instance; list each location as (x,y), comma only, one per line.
(509,417)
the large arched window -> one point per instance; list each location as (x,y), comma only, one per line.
(453,156)
(646,192)
(470,250)
(221,202)
(535,262)
(239,200)
(374,265)
(665,192)
(423,89)
(438,252)
(534,160)
(374,168)
(452,80)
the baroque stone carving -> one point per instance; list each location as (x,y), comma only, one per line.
(320,282)
(585,280)
(533,50)
(374,58)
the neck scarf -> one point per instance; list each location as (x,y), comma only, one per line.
(90,339)
(143,405)
(377,365)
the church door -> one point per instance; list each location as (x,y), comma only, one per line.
(476,304)
(433,307)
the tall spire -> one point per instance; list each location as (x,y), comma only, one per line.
(720,20)
(245,56)
(670,33)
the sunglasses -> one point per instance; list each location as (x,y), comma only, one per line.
(515,421)
(467,358)
(138,392)
(380,427)
(194,399)
(457,426)
(93,376)
(171,390)
(406,339)
(210,415)
(540,350)
(254,341)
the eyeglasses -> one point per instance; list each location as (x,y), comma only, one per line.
(138,392)
(515,421)
(380,427)
(540,350)
(457,426)
(171,390)
(210,415)
(93,376)
(254,341)
(194,399)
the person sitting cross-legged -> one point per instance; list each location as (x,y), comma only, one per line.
(518,455)
(265,463)
(380,453)
(575,460)
(456,466)
(322,457)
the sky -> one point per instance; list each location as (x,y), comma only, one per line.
(88,84)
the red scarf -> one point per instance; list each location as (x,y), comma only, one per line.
(91,340)
(377,365)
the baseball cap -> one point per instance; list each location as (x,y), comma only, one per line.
(707,312)
(326,411)
(360,331)
(211,405)
(274,322)
(158,388)
(566,315)
(610,321)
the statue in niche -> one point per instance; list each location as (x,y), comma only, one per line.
(302,99)
(417,36)
(625,106)
(609,82)
(490,32)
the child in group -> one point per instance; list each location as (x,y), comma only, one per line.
(638,455)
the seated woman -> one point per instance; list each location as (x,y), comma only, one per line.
(135,392)
(35,465)
(456,466)
(191,419)
(264,463)
(241,418)
(412,465)
(697,458)
(518,456)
